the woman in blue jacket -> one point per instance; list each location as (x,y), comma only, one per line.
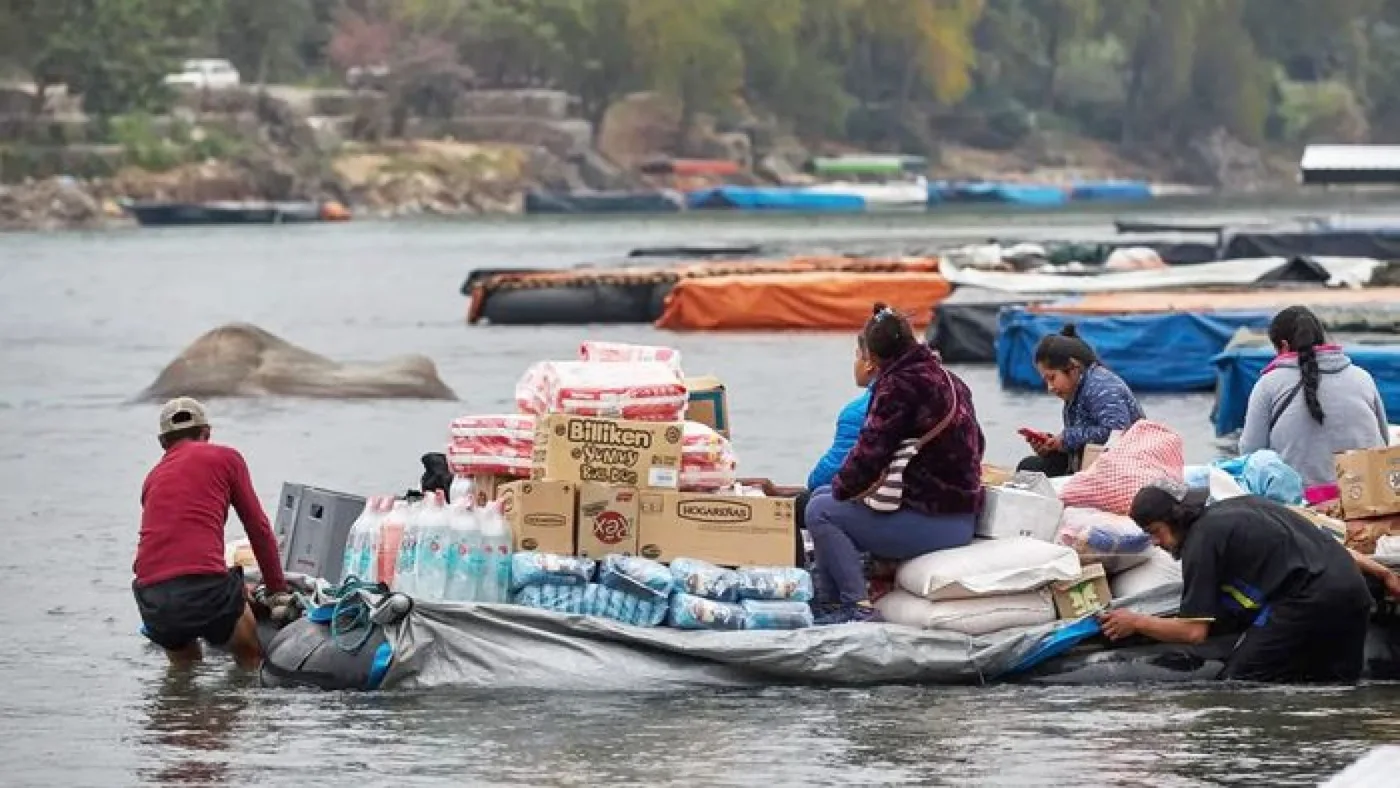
(848,424)
(1097,403)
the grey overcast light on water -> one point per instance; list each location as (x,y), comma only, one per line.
(87,320)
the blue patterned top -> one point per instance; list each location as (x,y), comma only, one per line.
(1102,403)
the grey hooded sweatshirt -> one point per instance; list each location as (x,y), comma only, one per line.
(1354,416)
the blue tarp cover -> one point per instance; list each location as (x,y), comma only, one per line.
(1157,352)
(1238,369)
(745,198)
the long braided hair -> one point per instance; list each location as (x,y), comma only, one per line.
(1301,329)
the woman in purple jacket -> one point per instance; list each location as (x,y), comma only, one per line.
(912,395)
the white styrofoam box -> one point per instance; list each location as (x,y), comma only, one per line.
(987,567)
(1159,570)
(1012,512)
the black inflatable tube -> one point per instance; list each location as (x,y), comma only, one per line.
(303,654)
(599,303)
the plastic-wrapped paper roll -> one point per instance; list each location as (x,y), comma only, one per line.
(693,612)
(703,579)
(640,390)
(532,568)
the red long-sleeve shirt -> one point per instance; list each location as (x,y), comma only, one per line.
(184,505)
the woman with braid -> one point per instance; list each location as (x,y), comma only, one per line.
(1311,401)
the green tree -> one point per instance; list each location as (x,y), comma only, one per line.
(593,57)
(687,53)
(263,37)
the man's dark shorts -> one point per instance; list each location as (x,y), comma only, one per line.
(178,611)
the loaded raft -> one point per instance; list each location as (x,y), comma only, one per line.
(600,538)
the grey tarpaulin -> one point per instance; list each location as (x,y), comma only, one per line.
(964,326)
(512,647)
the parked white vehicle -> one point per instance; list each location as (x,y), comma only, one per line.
(205,74)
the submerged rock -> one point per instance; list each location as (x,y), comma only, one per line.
(242,360)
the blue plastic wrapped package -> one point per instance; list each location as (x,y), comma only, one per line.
(558,598)
(767,614)
(1265,473)
(599,600)
(1197,476)
(534,569)
(694,612)
(639,577)
(775,583)
(702,579)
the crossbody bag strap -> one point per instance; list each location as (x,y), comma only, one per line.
(947,419)
(1283,405)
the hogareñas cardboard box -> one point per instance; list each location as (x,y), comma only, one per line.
(728,530)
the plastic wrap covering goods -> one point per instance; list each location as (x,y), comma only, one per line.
(1160,352)
(759,198)
(964,326)
(503,444)
(509,647)
(1237,369)
(1239,273)
(637,390)
(602,202)
(819,300)
(708,461)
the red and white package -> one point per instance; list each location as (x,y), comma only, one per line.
(510,431)
(637,390)
(497,444)
(708,462)
(467,462)
(592,350)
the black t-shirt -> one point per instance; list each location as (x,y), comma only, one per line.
(1245,553)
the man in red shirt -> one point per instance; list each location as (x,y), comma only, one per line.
(184,591)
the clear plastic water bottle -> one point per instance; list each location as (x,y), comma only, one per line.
(388,541)
(464,539)
(406,567)
(433,549)
(358,543)
(497,542)
(461,491)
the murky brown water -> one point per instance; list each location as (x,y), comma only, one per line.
(86,321)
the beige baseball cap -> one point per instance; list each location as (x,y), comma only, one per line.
(182,413)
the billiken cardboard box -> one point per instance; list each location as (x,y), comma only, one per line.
(728,530)
(643,454)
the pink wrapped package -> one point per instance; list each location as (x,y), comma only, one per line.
(708,462)
(620,351)
(466,462)
(503,444)
(636,390)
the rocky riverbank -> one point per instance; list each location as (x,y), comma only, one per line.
(285,146)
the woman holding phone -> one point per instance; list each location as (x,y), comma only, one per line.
(1097,402)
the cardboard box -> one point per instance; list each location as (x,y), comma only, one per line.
(1370,482)
(709,404)
(487,486)
(1009,512)
(541,514)
(1089,593)
(728,530)
(607,520)
(644,454)
(1095,450)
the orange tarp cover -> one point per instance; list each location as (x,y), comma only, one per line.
(816,300)
(1141,302)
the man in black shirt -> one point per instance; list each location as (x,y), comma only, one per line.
(1254,559)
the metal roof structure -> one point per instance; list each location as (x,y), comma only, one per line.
(1350,164)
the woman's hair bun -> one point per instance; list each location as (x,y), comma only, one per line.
(1069,330)
(880,306)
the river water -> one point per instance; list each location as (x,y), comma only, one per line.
(87,320)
